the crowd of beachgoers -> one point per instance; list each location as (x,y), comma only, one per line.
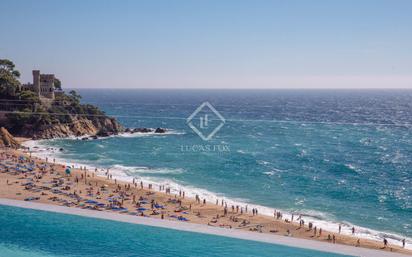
(28,178)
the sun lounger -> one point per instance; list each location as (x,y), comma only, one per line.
(31,198)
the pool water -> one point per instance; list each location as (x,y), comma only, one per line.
(25,232)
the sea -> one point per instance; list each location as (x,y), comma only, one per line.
(332,156)
(33,233)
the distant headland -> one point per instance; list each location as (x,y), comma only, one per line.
(42,110)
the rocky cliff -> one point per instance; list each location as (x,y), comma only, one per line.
(77,127)
(6,139)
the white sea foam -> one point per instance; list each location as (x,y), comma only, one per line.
(270,173)
(134,170)
(352,167)
(123,134)
(148,134)
(127,173)
(263,162)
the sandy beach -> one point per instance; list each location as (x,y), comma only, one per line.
(43,181)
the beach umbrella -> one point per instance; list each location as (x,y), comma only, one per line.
(68,170)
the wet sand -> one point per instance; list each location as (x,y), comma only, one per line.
(47,183)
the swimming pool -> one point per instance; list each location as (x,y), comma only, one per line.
(26,232)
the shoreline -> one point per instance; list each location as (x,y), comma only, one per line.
(270,226)
(204,229)
(328,225)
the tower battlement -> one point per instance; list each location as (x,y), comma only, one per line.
(43,84)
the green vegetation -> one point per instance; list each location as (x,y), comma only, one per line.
(24,109)
(57,84)
(9,83)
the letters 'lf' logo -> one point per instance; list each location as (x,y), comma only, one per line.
(206,121)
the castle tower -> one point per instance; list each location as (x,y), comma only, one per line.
(36,81)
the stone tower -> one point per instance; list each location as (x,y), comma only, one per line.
(36,81)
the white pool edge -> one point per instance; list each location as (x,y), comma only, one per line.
(205,229)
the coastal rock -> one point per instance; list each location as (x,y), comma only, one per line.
(79,126)
(143,130)
(160,130)
(103,133)
(6,139)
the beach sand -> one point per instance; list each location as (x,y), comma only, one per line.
(49,184)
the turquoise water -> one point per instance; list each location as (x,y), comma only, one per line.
(342,156)
(33,233)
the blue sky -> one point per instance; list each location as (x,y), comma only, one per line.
(212,44)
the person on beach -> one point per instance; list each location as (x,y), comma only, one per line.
(385,243)
(340,228)
(68,171)
(353,230)
(403,243)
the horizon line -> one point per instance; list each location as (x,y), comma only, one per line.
(262,88)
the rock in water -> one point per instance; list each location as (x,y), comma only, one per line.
(103,133)
(143,130)
(6,139)
(160,130)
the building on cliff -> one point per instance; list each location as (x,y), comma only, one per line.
(43,85)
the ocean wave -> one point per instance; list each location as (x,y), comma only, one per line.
(245,152)
(263,162)
(269,173)
(152,133)
(273,172)
(352,168)
(131,170)
(123,134)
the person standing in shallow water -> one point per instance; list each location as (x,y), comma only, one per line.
(403,243)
